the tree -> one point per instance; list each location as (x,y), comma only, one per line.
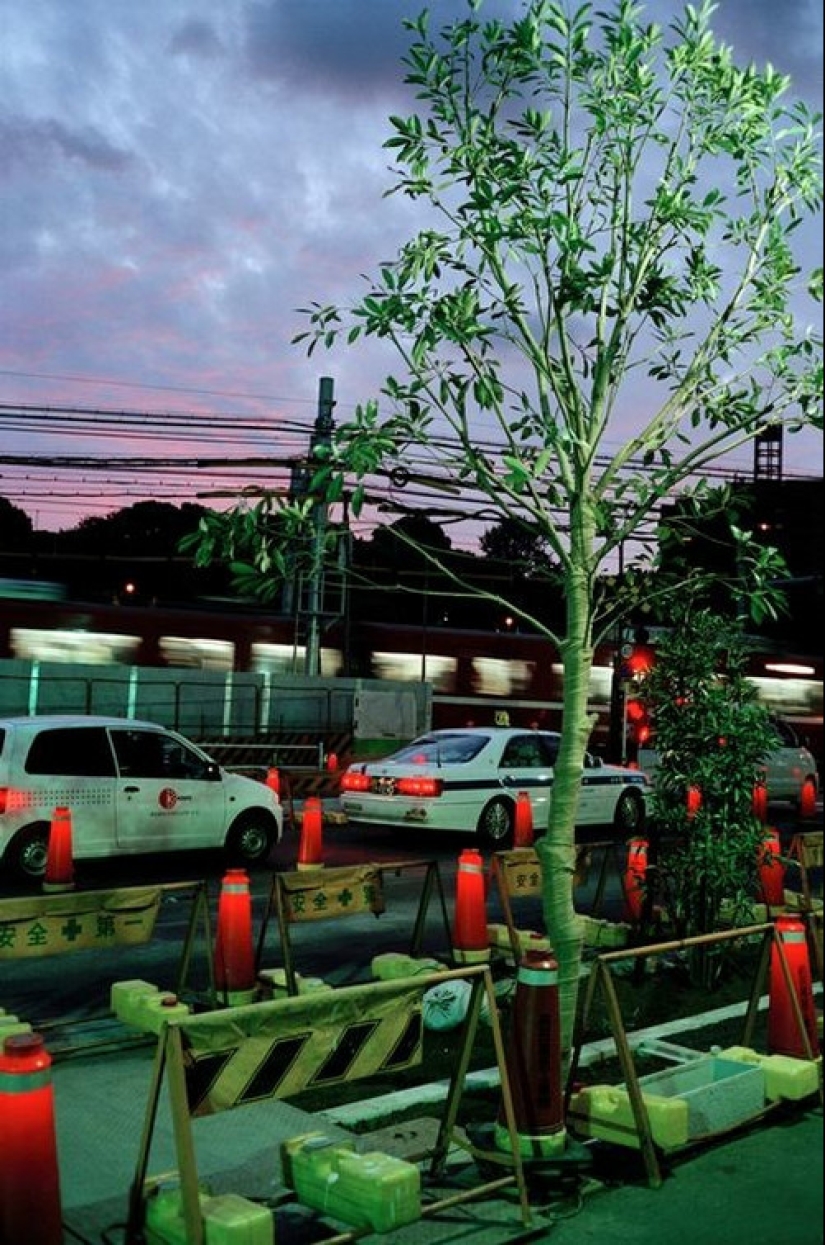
(16,528)
(712,738)
(606,278)
(510,540)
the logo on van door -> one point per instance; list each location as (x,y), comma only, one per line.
(167,798)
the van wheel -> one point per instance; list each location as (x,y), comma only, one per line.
(496,824)
(250,839)
(27,854)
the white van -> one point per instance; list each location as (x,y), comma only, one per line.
(787,769)
(131,787)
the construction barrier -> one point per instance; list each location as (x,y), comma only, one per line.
(625,1113)
(217,1061)
(37,926)
(345,891)
(517,875)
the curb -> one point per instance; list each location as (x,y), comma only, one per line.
(377,1110)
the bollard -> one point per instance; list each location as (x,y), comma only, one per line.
(30,1206)
(534,1061)
(471,943)
(59,875)
(234,959)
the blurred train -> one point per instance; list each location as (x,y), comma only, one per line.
(475,676)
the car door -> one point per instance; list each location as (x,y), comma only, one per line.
(169,798)
(527,765)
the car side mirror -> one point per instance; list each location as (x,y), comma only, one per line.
(213,772)
(592,762)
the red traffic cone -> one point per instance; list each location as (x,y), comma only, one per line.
(29,1173)
(471,941)
(785,1035)
(273,780)
(807,799)
(332,763)
(635,880)
(59,875)
(771,871)
(234,952)
(760,801)
(523,830)
(534,1062)
(310,852)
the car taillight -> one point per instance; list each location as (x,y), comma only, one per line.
(4,798)
(355,782)
(420,787)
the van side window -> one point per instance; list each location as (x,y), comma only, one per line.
(150,754)
(75,752)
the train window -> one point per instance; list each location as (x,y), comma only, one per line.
(601,682)
(94,648)
(290,659)
(416,667)
(789,695)
(197,654)
(500,676)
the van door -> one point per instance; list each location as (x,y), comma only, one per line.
(73,766)
(169,798)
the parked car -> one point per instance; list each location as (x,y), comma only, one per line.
(786,770)
(470,779)
(130,786)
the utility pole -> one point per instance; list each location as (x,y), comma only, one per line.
(322,436)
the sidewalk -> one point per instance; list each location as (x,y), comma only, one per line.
(761,1184)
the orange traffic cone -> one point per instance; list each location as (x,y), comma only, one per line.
(534,1062)
(807,799)
(332,763)
(59,875)
(523,829)
(29,1173)
(785,1034)
(635,880)
(234,953)
(273,780)
(471,941)
(310,853)
(760,801)
(771,871)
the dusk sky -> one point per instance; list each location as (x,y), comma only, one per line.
(177,179)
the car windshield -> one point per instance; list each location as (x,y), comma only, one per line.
(441,750)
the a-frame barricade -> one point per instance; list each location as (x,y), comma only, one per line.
(601,980)
(806,855)
(517,875)
(349,890)
(217,1061)
(74,921)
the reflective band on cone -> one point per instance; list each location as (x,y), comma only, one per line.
(784,1034)
(30,1206)
(59,875)
(534,1062)
(310,854)
(471,940)
(234,960)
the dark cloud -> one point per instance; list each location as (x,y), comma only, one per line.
(33,140)
(784,33)
(196,38)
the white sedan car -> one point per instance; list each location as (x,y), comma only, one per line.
(470,779)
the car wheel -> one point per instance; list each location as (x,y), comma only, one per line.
(28,852)
(629,814)
(250,839)
(495,825)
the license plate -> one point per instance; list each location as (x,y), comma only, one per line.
(383,786)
